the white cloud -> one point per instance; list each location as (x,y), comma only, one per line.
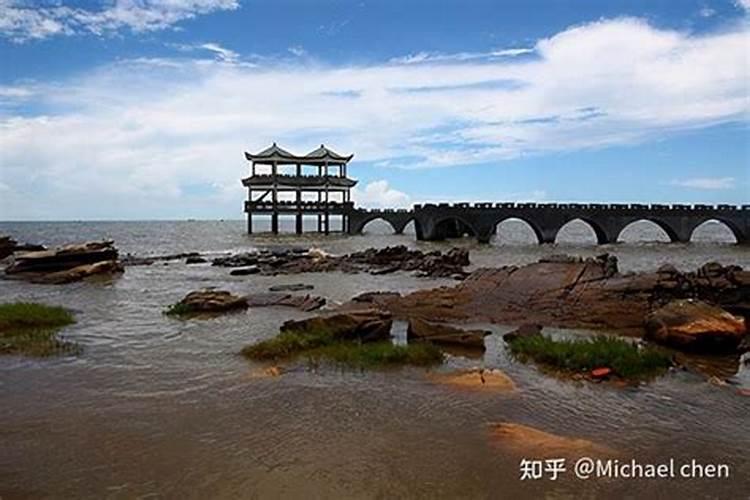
(743,4)
(221,53)
(378,194)
(22,21)
(430,57)
(707,12)
(708,183)
(132,133)
(297,51)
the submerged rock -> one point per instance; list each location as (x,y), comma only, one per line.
(195,259)
(530,442)
(478,379)
(303,302)
(294,287)
(439,333)
(67,263)
(245,271)
(695,325)
(365,325)
(208,301)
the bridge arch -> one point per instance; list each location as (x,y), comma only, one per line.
(533,227)
(362,225)
(454,226)
(726,225)
(597,231)
(668,230)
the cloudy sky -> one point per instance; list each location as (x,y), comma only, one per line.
(140,109)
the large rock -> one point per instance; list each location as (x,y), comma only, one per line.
(67,263)
(568,292)
(695,325)
(8,246)
(210,301)
(365,325)
(531,442)
(301,302)
(525,330)
(439,333)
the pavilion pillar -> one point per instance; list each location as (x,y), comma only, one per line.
(249,210)
(298,220)
(327,214)
(320,198)
(275,213)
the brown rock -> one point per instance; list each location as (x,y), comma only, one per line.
(478,379)
(302,302)
(695,325)
(212,301)
(530,442)
(439,333)
(105,268)
(365,325)
(66,264)
(603,372)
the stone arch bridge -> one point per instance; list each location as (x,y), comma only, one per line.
(438,222)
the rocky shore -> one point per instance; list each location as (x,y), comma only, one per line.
(66,264)
(572,292)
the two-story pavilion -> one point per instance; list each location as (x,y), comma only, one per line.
(280,183)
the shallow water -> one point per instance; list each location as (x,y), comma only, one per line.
(161,407)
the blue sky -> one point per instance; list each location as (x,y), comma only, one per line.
(132,109)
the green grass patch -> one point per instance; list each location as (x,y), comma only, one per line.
(179,309)
(321,345)
(31,329)
(625,359)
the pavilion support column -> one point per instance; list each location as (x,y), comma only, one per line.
(320,198)
(298,221)
(249,211)
(275,214)
(327,214)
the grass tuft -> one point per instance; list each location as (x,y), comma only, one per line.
(318,345)
(625,359)
(30,329)
(179,309)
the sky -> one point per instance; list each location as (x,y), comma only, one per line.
(142,109)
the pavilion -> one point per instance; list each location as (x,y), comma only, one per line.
(280,184)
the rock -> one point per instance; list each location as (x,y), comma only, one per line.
(525,330)
(364,326)
(575,293)
(211,301)
(239,260)
(530,442)
(66,264)
(477,379)
(304,303)
(134,260)
(294,287)
(105,268)
(372,297)
(195,259)
(696,326)
(744,345)
(438,333)
(599,373)
(7,246)
(245,271)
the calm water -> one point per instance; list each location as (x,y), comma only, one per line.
(157,407)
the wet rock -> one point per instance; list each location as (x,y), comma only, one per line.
(303,302)
(245,271)
(238,260)
(8,246)
(696,326)
(373,297)
(195,259)
(530,442)
(67,263)
(209,301)
(478,379)
(744,345)
(134,260)
(293,287)
(525,330)
(364,326)
(601,373)
(576,293)
(439,333)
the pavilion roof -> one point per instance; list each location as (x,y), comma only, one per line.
(280,156)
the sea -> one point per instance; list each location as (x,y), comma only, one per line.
(157,407)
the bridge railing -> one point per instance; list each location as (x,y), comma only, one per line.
(583,206)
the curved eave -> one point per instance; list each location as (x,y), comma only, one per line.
(302,160)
